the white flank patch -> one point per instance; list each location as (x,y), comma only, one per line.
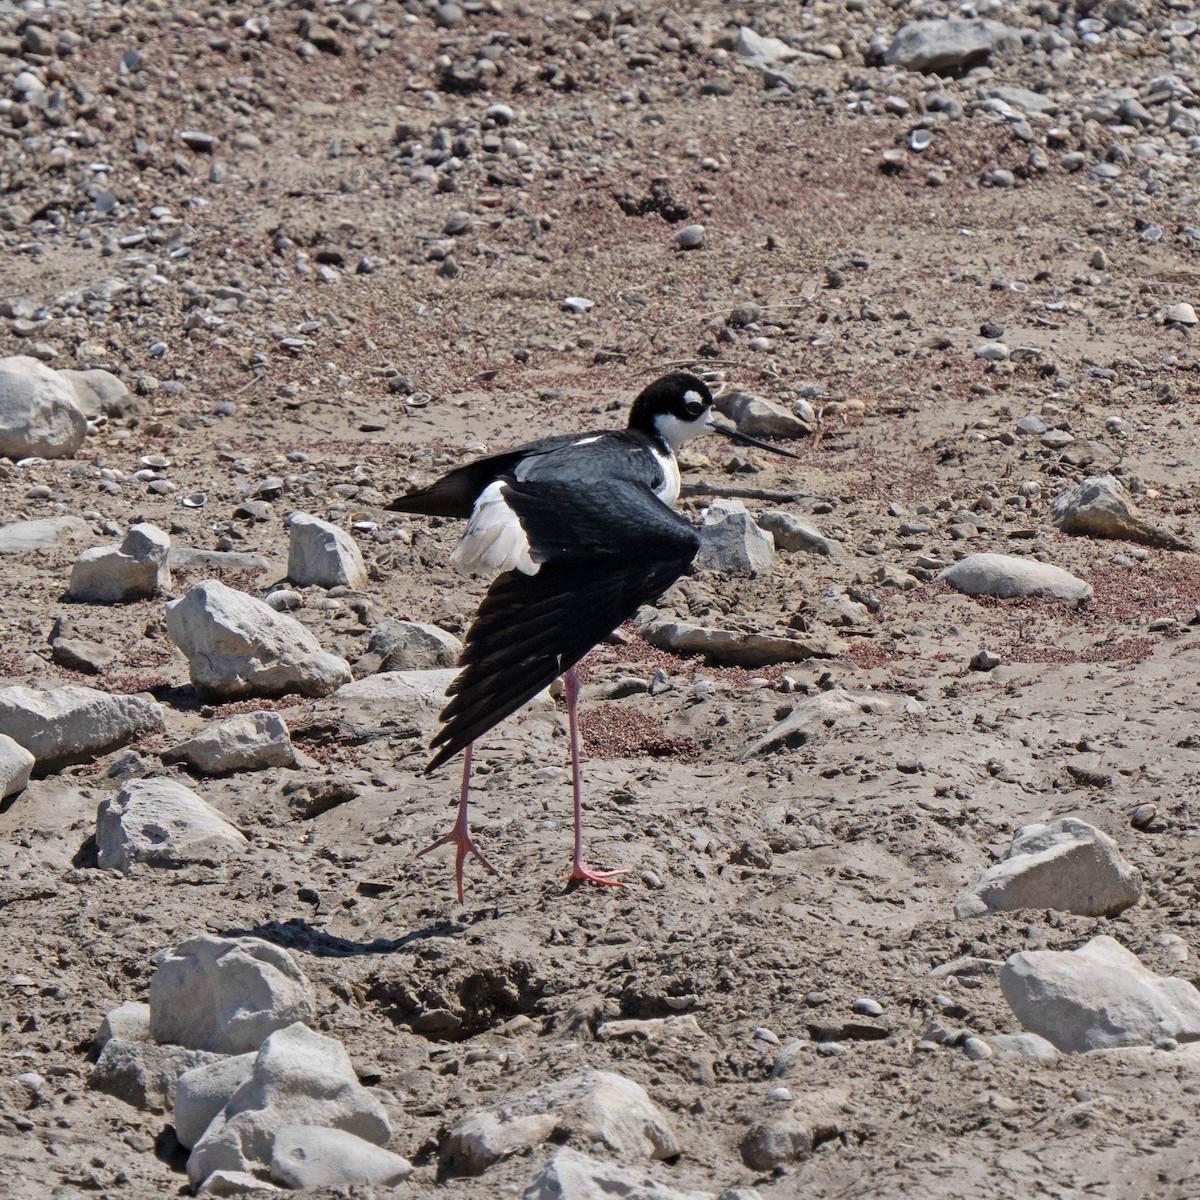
(669,492)
(586,441)
(494,541)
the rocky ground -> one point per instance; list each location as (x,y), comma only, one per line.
(326,249)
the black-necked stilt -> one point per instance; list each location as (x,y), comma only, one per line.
(579,532)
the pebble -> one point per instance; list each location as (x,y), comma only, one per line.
(867,1007)
(577,304)
(690,237)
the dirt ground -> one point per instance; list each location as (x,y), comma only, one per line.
(298,311)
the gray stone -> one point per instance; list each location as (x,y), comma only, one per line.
(1100,507)
(570,1175)
(760,418)
(74,724)
(134,571)
(736,649)
(1022,98)
(322,554)
(809,1118)
(1068,865)
(16,765)
(946,47)
(412,646)
(589,1108)
(759,51)
(731,541)
(190,558)
(310,1156)
(100,393)
(1098,997)
(251,742)
(1006,576)
(791,533)
(410,694)
(226,994)
(162,823)
(38,413)
(239,646)
(203,1092)
(129,1021)
(142,1073)
(298,1078)
(237,1183)
(1022,1045)
(815,715)
(46,534)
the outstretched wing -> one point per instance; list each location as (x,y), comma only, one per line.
(602,552)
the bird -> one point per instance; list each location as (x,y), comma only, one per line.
(578,532)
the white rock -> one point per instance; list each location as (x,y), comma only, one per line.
(1100,507)
(135,570)
(690,237)
(203,1092)
(226,994)
(945,46)
(760,51)
(38,413)
(757,417)
(412,646)
(100,393)
(731,541)
(1067,865)
(45,534)
(74,724)
(1006,576)
(251,742)
(1182,313)
(570,1175)
(298,1078)
(791,533)
(162,823)
(322,554)
(1021,1045)
(16,764)
(239,646)
(594,1106)
(129,1021)
(310,1156)
(815,715)
(1097,997)
(236,1183)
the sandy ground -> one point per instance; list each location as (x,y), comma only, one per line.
(766,893)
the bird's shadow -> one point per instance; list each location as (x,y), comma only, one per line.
(300,936)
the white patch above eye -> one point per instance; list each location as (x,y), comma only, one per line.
(494,541)
(690,397)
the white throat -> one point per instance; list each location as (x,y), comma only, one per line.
(675,432)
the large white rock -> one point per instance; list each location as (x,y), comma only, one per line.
(1101,507)
(38,412)
(946,47)
(204,1091)
(134,570)
(594,1106)
(1006,576)
(250,742)
(100,393)
(1067,865)
(298,1078)
(570,1175)
(1098,997)
(731,541)
(48,533)
(239,646)
(323,554)
(310,1156)
(74,724)
(162,823)
(16,764)
(226,994)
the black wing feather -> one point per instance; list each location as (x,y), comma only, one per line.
(604,553)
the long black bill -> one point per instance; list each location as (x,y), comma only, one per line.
(744,439)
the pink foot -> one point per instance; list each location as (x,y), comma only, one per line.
(581,871)
(463,845)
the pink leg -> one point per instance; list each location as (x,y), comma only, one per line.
(459,835)
(579,870)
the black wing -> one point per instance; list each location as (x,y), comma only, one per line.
(455,493)
(604,552)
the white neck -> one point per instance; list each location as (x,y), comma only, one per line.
(675,432)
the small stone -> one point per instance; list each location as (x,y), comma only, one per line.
(690,237)
(1006,576)
(578,304)
(134,571)
(976,1049)
(322,554)
(731,541)
(867,1007)
(985,660)
(252,742)
(1181,314)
